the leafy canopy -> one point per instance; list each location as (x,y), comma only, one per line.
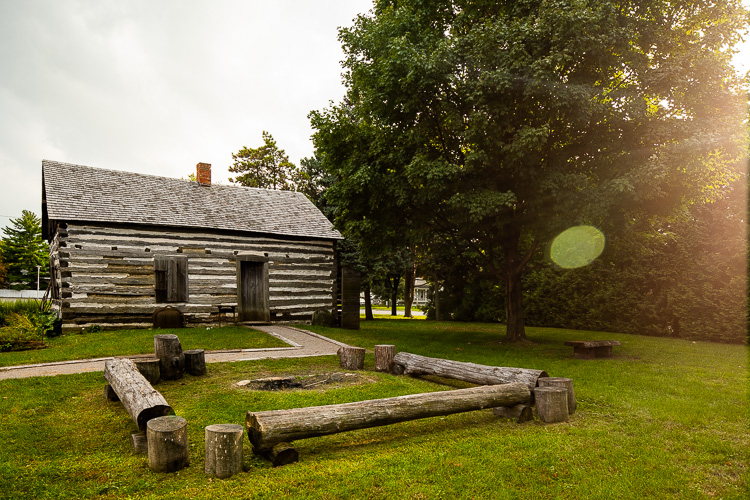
(266,166)
(495,125)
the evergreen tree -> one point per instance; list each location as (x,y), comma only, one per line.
(23,249)
(266,166)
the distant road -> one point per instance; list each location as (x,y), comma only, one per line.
(417,313)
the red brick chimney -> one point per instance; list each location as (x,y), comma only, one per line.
(203,174)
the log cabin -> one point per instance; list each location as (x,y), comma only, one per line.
(124,245)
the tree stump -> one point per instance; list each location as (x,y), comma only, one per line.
(552,404)
(110,393)
(195,362)
(520,413)
(384,355)
(138,443)
(565,383)
(223,450)
(282,454)
(351,358)
(168,349)
(149,368)
(167,444)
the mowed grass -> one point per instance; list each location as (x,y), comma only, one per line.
(127,342)
(661,419)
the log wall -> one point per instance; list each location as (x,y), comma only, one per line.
(105,274)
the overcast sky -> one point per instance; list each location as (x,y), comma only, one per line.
(157,86)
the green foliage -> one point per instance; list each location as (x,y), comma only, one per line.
(265,167)
(22,250)
(26,307)
(495,126)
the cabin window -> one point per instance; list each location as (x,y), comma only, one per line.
(171,278)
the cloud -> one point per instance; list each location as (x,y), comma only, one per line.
(156,87)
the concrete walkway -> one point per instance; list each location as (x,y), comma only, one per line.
(302,344)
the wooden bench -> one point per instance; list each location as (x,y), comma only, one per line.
(590,349)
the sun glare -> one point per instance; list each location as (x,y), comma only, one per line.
(577,247)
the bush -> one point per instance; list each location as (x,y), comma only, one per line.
(25,307)
(21,332)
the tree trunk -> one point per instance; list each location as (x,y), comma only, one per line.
(393,282)
(436,297)
(414,364)
(368,302)
(140,399)
(409,277)
(513,267)
(267,428)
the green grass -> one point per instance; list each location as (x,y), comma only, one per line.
(126,342)
(661,419)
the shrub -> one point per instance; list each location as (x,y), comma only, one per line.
(21,332)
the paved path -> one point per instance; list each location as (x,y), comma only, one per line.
(302,344)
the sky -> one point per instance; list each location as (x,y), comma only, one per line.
(158,86)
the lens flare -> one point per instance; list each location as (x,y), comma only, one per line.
(577,247)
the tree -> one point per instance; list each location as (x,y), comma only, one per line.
(500,124)
(23,249)
(264,167)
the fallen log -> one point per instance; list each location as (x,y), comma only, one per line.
(140,399)
(268,428)
(413,364)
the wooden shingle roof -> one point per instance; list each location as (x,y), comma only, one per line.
(79,193)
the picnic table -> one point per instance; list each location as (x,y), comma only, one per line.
(590,349)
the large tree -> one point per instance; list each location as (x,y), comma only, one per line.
(495,125)
(266,166)
(23,249)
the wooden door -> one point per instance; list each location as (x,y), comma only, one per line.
(252,291)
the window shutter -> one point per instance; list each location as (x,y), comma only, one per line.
(161,270)
(177,286)
(170,278)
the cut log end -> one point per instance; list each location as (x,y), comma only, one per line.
(151,413)
(351,358)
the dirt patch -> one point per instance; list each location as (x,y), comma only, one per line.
(303,382)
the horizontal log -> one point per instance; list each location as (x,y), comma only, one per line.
(414,364)
(268,428)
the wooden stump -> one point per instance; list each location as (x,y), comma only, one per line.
(384,357)
(282,454)
(223,450)
(552,404)
(110,393)
(266,429)
(414,364)
(168,349)
(520,413)
(351,358)
(138,443)
(565,383)
(140,399)
(167,444)
(195,362)
(149,368)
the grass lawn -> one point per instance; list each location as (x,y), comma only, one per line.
(662,419)
(126,342)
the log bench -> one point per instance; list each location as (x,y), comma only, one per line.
(266,429)
(590,349)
